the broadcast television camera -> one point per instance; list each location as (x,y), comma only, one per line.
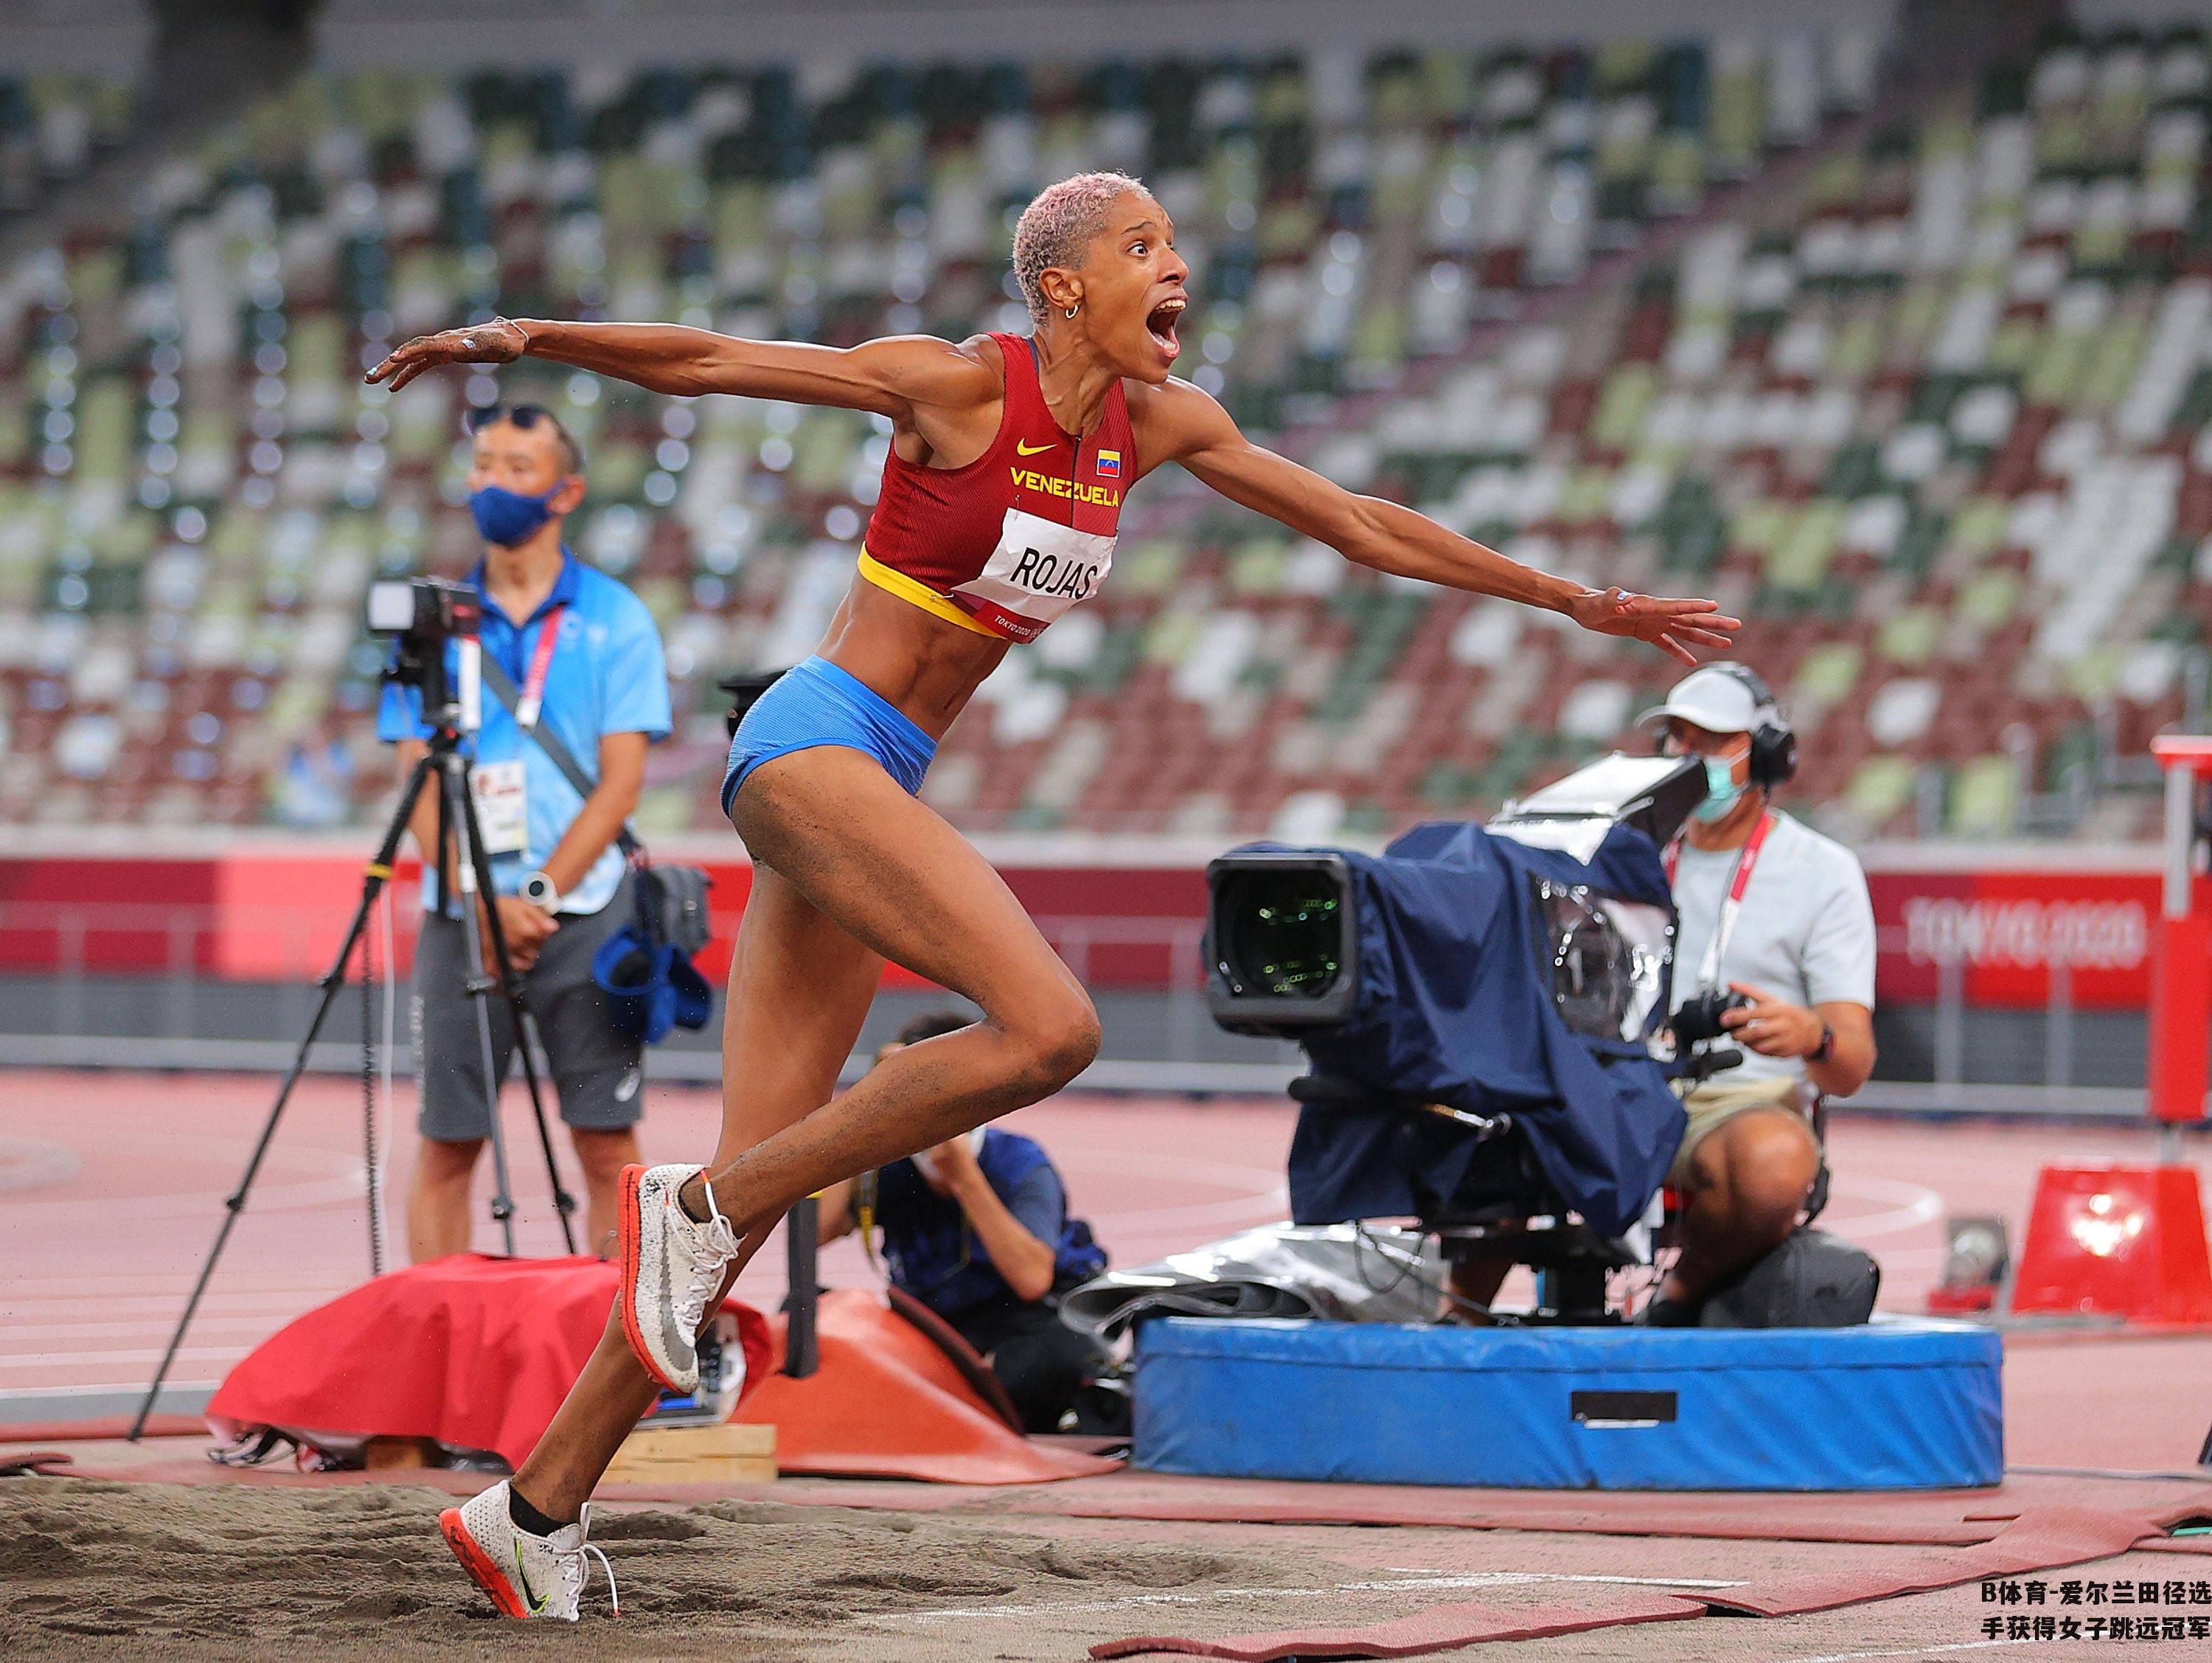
(1485,1010)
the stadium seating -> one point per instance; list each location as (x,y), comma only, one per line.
(53,126)
(1958,344)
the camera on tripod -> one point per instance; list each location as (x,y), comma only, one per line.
(431,609)
(424,614)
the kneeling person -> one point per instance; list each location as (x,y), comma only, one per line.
(977,1229)
(1770,910)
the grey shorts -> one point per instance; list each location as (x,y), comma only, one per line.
(599,1072)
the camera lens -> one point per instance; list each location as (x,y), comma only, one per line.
(1282,933)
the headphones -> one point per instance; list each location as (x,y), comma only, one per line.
(1773,742)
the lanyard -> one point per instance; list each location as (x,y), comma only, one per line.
(533,685)
(1709,973)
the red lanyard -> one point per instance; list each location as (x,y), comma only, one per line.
(533,685)
(1747,858)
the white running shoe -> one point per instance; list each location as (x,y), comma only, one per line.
(672,1266)
(526,1575)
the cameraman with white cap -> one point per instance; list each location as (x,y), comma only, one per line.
(1774,913)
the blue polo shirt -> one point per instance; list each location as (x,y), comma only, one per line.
(607,676)
(933,1252)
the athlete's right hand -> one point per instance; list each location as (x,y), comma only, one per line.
(1680,629)
(499,341)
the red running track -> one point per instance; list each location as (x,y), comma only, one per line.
(112,1187)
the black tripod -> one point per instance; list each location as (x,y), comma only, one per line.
(459,832)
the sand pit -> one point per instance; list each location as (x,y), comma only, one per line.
(89,1568)
(263,1567)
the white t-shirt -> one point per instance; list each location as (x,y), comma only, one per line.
(1805,932)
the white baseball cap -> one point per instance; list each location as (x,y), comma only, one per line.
(1715,698)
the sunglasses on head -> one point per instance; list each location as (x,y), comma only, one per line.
(524,416)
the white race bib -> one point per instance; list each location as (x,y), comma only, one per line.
(1040,568)
(502,807)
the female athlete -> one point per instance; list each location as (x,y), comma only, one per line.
(1010,457)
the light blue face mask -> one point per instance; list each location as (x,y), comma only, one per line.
(1721,791)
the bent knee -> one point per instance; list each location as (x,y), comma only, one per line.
(1769,1190)
(1771,1200)
(1758,1166)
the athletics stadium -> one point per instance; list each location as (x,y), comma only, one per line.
(1405,1321)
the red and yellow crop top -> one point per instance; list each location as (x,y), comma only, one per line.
(1007,544)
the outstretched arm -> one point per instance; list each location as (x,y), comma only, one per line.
(892,377)
(1179,423)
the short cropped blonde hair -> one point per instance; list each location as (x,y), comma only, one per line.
(1058,224)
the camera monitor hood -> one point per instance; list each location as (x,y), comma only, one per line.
(1653,795)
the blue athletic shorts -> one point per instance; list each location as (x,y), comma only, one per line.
(815,703)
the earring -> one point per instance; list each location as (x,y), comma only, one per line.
(1072,311)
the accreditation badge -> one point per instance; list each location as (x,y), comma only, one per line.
(502,807)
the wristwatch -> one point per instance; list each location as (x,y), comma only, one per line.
(1820,1052)
(537,890)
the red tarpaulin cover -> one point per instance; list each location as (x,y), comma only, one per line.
(471,1351)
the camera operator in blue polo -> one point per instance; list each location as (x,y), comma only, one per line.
(570,654)
(1775,955)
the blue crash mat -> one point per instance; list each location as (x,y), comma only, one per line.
(1902,1404)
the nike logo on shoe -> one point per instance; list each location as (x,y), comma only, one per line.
(1021,449)
(681,1346)
(529,1594)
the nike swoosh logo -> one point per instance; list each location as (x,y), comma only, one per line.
(1021,449)
(529,1595)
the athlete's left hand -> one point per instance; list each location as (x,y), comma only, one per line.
(1675,627)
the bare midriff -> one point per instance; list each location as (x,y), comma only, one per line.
(926,667)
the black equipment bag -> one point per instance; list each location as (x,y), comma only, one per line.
(1813,1280)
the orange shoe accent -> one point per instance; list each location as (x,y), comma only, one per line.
(630,1223)
(484,1574)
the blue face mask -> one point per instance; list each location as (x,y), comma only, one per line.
(1721,790)
(507,517)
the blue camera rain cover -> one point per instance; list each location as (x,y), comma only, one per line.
(1455,1006)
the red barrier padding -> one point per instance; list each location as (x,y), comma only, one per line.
(2124,1241)
(2180,1013)
(885,1403)
(471,1351)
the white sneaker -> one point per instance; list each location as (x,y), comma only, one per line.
(526,1575)
(672,1266)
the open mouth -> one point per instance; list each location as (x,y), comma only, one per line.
(1160,324)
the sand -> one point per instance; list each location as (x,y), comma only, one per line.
(91,1568)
